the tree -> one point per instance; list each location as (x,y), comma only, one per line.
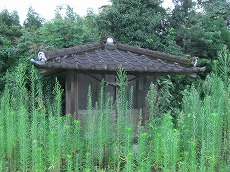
(216,8)
(135,22)
(182,19)
(10,32)
(70,30)
(33,19)
(219,13)
(67,30)
(201,33)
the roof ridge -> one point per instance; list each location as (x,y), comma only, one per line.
(153,54)
(71,50)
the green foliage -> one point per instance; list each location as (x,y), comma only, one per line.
(204,33)
(223,65)
(165,144)
(208,118)
(216,8)
(136,23)
(33,20)
(10,27)
(205,125)
(151,99)
(10,31)
(70,30)
(42,139)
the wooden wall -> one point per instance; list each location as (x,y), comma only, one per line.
(77,84)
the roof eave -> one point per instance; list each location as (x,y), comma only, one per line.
(46,71)
(153,54)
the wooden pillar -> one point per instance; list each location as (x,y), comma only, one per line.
(140,93)
(155,80)
(71,93)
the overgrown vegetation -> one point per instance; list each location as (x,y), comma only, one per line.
(34,136)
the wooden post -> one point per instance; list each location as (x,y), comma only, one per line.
(155,80)
(141,92)
(71,85)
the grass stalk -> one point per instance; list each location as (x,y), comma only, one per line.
(90,133)
(51,150)
(4,111)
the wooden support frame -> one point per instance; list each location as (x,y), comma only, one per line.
(71,97)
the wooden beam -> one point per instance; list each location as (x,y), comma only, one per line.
(49,72)
(71,86)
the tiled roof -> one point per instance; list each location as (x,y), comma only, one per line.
(101,56)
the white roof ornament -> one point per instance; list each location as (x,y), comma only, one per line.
(42,57)
(110,44)
(109,41)
(37,63)
(194,61)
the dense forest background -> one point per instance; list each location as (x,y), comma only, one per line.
(192,28)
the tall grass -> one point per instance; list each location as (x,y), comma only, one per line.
(35,136)
(205,125)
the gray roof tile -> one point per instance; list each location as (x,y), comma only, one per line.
(96,56)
